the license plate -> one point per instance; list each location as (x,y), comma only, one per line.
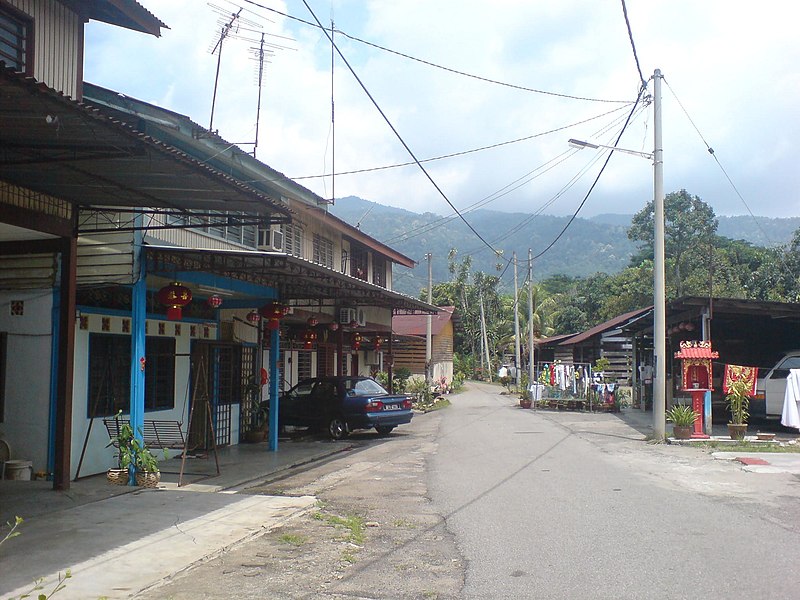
(391,407)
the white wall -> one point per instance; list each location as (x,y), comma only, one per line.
(98,457)
(27,392)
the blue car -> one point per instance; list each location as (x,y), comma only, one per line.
(343,404)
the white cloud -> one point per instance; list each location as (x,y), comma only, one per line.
(733,66)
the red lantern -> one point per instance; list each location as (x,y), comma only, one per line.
(377,344)
(312,321)
(353,324)
(273,324)
(333,326)
(356,345)
(357,338)
(253,317)
(174,296)
(214,301)
(273,310)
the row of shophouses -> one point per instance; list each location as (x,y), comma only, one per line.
(146,263)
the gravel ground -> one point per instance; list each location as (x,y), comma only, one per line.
(372,535)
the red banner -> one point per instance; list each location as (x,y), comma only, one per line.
(740,373)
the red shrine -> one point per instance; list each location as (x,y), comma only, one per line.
(696,368)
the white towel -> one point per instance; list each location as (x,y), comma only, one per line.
(790,417)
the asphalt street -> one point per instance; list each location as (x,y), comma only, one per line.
(563,505)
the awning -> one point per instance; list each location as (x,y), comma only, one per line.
(54,145)
(294,278)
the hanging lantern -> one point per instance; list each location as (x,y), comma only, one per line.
(214,301)
(273,310)
(357,338)
(353,324)
(356,345)
(253,317)
(333,326)
(273,324)
(174,296)
(309,338)
(312,321)
(378,343)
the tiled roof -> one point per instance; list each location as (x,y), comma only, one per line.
(610,324)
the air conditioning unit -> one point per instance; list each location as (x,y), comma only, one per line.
(270,239)
(347,315)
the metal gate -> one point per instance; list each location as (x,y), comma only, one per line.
(220,372)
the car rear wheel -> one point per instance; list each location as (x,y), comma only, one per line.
(384,429)
(337,428)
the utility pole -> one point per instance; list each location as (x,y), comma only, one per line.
(485,340)
(659,285)
(531,363)
(428,338)
(517,353)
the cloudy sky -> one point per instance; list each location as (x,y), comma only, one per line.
(733,65)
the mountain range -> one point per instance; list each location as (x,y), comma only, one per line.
(588,245)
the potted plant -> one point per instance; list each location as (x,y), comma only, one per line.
(683,418)
(738,398)
(145,464)
(258,421)
(123,443)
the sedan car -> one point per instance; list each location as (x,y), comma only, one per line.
(343,404)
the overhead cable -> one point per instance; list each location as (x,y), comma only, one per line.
(396,133)
(429,63)
(633,45)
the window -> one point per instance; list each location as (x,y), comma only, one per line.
(323,251)
(358,262)
(15,40)
(109,374)
(292,239)
(378,271)
(304,365)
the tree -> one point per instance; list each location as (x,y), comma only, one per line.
(689,229)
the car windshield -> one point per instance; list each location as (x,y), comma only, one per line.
(363,387)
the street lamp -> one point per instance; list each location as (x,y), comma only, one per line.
(659,279)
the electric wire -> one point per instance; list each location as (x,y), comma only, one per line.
(713,154)
(633,45)
(596,179)
(470,151)
(397,134)
(429,63)
(505,190)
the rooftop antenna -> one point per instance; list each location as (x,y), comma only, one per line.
(223,33)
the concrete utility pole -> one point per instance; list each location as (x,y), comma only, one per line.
(517,353)
(659,279)
(428,336)
(531,362)
(485,340)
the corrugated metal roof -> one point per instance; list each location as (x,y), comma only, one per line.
(54,145)
(610,324)
(125,13)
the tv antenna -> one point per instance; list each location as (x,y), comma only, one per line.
(233,26)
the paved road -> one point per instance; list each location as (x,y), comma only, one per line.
(566,505)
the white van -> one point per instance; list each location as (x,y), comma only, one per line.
(771,388)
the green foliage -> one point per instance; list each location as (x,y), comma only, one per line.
(682,415)
(738,399)
(131,451)
(37,585)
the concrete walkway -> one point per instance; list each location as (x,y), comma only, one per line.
(119,540)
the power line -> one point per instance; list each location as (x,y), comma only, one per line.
(633,45)
(596,179)
(396,133)
(429,63)
(470,151)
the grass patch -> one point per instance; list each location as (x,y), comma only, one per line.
(749,447)
(293,540)
(353,524)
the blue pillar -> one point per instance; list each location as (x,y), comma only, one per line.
(138,316)
(707,410)
(274,380)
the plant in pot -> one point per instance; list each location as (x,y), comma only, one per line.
(682,417)
(145,465)
(123,442)
(738,398)
(258,423)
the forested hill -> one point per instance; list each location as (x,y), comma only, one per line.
(589,245)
